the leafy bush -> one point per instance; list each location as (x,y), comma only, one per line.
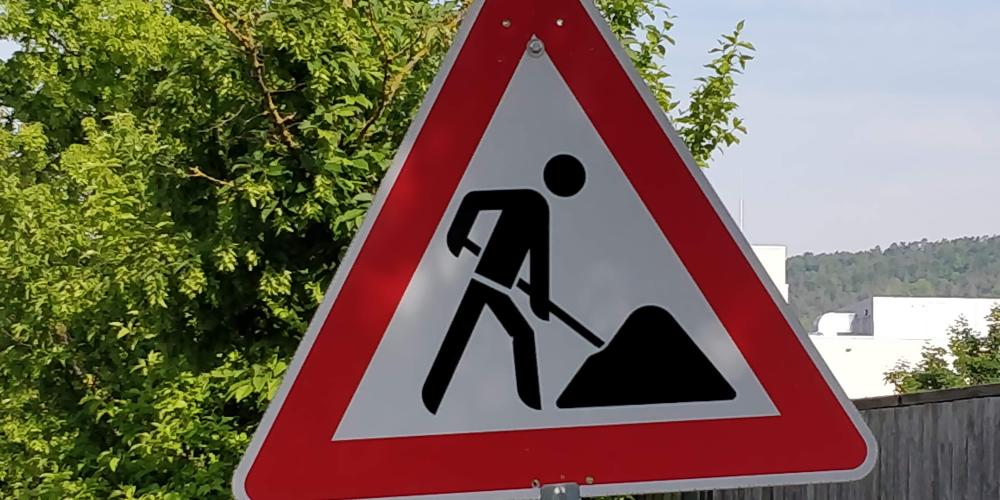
(180,180)
(971,358)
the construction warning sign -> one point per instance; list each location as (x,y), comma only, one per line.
(547,290)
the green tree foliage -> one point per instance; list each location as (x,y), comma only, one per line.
(180,179)
(965,267)
(710,123)
(971,358)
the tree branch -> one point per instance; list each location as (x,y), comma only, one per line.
(197,172)
(62,334)
(385,77)
(258,72)
(224,121)
(390,86)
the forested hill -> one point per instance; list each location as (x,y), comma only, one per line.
(965,267)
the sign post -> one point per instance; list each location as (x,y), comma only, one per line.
(547,291)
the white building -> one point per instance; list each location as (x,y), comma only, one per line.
(861,342)
(905,317)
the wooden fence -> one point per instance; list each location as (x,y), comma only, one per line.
(937,445)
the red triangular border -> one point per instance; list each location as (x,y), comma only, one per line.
(817,436)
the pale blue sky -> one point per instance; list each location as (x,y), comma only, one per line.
(870,121)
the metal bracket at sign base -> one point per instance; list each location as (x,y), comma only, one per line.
(565,491)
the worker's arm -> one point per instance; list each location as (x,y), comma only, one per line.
(472,204)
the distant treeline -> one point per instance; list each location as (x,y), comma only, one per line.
(964,267)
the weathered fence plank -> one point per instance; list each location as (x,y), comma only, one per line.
(933,445)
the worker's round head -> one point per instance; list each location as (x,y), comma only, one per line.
(564,175)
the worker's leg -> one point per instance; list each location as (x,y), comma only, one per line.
(453,346)
(523,337)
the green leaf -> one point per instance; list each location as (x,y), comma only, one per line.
(242,392)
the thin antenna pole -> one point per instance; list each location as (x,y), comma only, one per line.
(741,198)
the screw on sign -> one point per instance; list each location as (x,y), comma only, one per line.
(547,293)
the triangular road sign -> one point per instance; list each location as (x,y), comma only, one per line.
(547,290)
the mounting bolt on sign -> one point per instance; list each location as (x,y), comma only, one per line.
(547,291)
(536,47)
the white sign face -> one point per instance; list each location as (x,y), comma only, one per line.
(608,259)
